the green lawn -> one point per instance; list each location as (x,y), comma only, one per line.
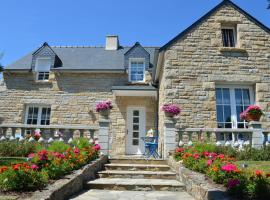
(256,165)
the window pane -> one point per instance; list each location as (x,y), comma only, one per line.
(226,96)
(219,96)
(135,127)
(135,120)
(220,114)
(135,134)
(238,96)
(135,142)
(228,37)
(227,113)
(137,71)
(239,110)
(246,96)
(135,113)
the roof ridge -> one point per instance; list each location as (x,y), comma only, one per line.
(83,46)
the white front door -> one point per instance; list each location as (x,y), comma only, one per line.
(135,130)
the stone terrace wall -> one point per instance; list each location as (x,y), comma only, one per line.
(196,63)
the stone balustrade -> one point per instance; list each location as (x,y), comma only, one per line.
(49,133)
(254,136)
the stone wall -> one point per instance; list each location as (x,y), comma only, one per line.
(197,62)
(197,184)
(72,98)
(71,184)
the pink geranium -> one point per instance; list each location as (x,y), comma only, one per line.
(104,105)
(171,108)
(209,162)
(196,156)
(229,168)
(212,155)
(251,110)
(97,147)
(34,167)
(58,155)
(178,150)
(76,150)
(43,155)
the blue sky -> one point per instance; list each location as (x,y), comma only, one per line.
(26,24)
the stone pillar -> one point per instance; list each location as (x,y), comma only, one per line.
(257,134)
(169,137)
(103,136)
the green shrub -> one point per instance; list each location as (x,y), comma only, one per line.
(23,179)
(18,149)
(81,143)
(58,146)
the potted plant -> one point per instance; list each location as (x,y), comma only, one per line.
(252,113)
(104,108)
(171,110)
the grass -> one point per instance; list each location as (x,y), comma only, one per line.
(10,161)
(256,165)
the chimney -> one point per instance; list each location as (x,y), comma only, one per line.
(112,42)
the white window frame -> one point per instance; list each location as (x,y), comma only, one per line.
(43,72)
(234,35)
(129,69)
(39,112)
(233,102)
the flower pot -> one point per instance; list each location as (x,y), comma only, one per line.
(169,115)
(104,113)
(253,117)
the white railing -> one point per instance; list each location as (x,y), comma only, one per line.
(220,136)
(48,133)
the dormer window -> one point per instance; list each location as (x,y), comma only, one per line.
(136,70)
(43,66)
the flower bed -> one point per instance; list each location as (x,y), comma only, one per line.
(222,169)
(45,165)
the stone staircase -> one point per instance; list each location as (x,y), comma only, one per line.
(136,175)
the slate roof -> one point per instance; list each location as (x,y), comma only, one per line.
(85,58)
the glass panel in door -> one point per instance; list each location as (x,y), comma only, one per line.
(136,127)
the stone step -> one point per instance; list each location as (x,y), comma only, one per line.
(136,167)
(135,184)
(137,174)
(138,161)
(131,195)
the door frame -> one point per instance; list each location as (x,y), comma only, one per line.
(142,130)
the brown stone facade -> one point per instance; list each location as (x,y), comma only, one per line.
(196,63)
(72,98)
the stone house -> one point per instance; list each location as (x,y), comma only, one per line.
(214,69)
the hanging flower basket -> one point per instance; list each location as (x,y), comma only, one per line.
(104,107)
(104,113)
(171,110)
(252,113)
